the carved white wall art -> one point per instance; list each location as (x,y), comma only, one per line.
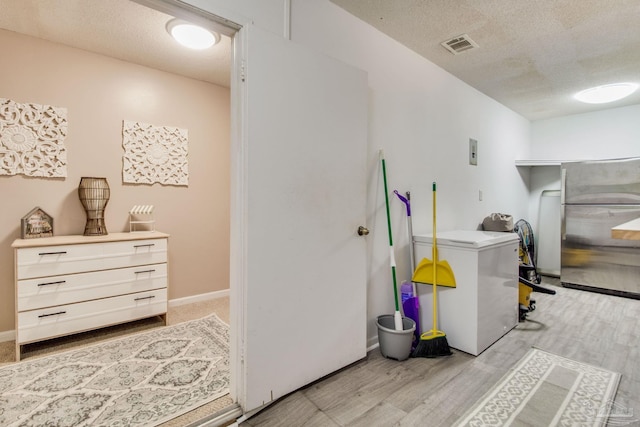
(32,139)
(154,154)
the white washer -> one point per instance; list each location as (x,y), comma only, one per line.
(484,304)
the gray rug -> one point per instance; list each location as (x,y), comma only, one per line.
(547,390)
(140,380)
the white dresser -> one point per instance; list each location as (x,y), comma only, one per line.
(70,284)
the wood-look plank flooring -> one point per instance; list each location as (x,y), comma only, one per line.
(599,329)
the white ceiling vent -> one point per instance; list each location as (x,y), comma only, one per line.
(459,44)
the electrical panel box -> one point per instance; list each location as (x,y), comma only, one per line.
(473,152)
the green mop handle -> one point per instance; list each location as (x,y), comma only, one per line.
(393,262)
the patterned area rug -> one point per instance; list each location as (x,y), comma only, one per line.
(547,390)
(140,380)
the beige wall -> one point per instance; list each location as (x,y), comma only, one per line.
(99,93)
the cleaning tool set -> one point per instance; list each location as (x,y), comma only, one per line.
(433,343)
(410,304)
(397,317)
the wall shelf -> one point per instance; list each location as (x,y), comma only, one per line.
(542,162)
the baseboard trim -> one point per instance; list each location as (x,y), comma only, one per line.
(8,335)
(197,298)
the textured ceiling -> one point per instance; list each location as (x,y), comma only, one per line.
(118,28)
(533,55)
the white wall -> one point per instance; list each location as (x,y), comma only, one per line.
(605,134)
(423,118)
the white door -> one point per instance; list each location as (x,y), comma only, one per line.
(298,198)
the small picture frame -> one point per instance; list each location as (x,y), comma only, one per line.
(37,223)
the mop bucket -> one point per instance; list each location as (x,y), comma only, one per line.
(395,344)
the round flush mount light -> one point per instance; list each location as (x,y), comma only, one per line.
(190,35)
(606,93)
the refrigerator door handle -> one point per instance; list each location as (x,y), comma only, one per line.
(563,182)
(563,227)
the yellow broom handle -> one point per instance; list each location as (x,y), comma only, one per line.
(435,263)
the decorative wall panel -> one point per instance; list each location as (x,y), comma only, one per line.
(154,154)
(32,139)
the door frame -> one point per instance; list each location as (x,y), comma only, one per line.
(229,24)
(238,223)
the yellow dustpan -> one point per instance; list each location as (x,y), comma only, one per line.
(424,273)
(425,270)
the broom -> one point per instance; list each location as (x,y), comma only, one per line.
(433,343)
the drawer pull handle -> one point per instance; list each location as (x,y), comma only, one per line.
(144,271)
(144,246)
(141,298)
(53,253)
(52,314)
(52,283)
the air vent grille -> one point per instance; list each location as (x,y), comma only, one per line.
(459,44)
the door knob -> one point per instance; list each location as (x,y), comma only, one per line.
(363,231)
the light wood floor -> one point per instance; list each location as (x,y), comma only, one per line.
(598,329)
(593,328)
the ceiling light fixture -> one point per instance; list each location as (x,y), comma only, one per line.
(606,93)
(190,35)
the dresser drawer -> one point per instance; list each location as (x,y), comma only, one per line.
(72,288)
(41,324)
(47,261)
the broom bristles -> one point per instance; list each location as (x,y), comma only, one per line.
(432,344)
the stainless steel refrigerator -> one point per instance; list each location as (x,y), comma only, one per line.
(596,196)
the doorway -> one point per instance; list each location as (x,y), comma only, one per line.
(299,191)
(100,150)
